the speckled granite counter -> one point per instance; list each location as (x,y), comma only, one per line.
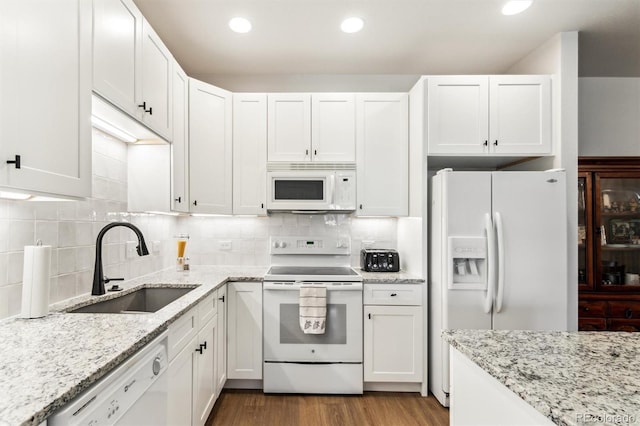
(46,362)
(388,277)
(564,376)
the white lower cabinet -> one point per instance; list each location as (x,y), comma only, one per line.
(194,367)
(221,340)
(393,333)
(245,331)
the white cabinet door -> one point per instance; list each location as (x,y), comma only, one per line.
(289,127)
(181,385)
(117,35)
(244,330)
(221,340)
(249,153)
(458,110)
(156,82)
(392,343)
(45,96)
(210,145)
(180,145)
(205,379)
(520,114)
(333,127)
(382,135)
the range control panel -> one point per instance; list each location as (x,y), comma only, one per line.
(311,245)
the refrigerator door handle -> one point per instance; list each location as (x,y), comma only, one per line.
(500,235)
(491,270)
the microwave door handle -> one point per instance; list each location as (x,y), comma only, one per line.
(332,179)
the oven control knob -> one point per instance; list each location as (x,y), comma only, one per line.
(283,244)
(277,244)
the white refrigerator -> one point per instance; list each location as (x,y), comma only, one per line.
(498,257)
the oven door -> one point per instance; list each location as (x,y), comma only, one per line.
(285,341)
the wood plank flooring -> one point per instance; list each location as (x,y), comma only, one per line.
(252,407)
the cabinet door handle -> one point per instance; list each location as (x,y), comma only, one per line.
(485,143)
(360,206)
(179,199)
(315,152)
(369,316)
(195,202)
(496,142)
(262,205)
(15,161)
(221,298)
(143,105)
(306,152)
(394,294)
(199,350)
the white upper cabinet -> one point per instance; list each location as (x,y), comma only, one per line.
(382,135)
(289,127)
(333,127)
(45,96)
(520,114)
(458,111)
(117,36)
(249,153)
(156,82)
(210,145)
(180,145)
(502,115)
(131,65)
(311,127)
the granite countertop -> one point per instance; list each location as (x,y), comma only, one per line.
(388,277)
(46,362)
(564,375)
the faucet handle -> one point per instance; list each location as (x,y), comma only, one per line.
(107,279)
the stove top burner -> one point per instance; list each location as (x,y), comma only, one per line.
(312,273)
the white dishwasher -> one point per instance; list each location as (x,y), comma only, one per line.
(134,394)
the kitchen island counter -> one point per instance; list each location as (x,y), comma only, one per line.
(46,362)
(571,378)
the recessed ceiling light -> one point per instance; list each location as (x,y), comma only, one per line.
(514,7)
(352,25)
(240,25)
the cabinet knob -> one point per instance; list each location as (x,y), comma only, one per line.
(262,205)
(315,152)
(179,199)
(360,206)
(496,142)
(221,298)
(306,152)
(16,161)
(485,143)
(195,202)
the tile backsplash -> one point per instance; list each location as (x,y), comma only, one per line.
(71,227)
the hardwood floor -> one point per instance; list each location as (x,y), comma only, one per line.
(252,407)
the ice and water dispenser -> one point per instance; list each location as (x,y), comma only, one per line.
(467,262)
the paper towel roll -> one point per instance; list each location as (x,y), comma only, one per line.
(36,278)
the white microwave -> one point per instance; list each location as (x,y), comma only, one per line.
(311,190)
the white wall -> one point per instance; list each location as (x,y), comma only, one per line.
(559,57)
(609,122)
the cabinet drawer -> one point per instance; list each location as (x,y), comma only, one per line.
(592,324)
(592,308)
(393,294)
(619,324)
(208,308)
(622,309)
(181,332)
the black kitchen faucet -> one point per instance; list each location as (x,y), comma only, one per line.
(99,279)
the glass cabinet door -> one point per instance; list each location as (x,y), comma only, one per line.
(585,237)
(617,224)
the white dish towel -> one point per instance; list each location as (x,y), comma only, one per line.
(313,309)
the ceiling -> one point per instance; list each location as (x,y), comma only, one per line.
(400,37)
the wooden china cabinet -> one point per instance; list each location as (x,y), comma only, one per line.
(609,243)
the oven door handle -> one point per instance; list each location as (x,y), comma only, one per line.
(296,287)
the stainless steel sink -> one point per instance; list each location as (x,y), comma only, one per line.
(144,300)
